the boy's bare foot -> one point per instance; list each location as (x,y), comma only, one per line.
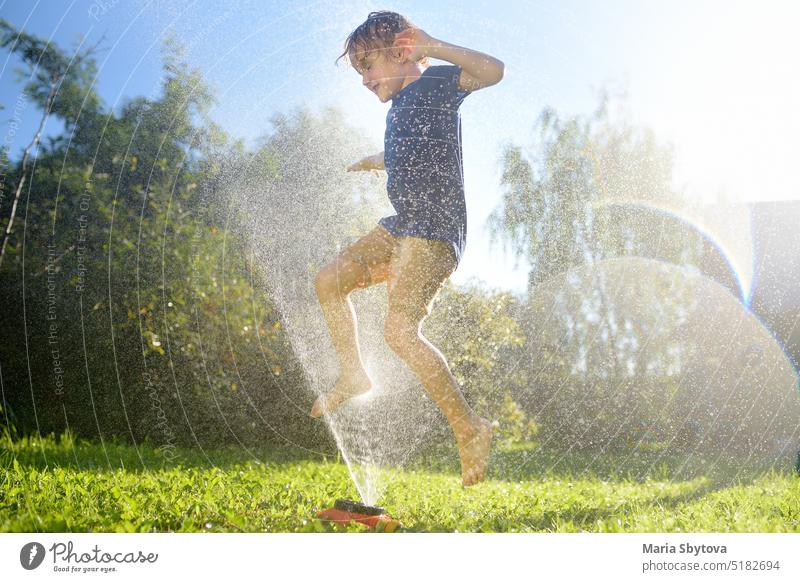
(474,453)
(347,387)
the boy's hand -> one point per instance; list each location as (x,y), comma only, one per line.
(369,163)
(415,43)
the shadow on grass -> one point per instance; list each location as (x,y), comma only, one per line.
(531,462)
(577,513)
(507,463)
(65,451)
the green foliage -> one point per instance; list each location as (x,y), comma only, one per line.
(515,427)
(9,422)
(48,67)
(589,191)
(142,316)
(613,279)
(482,340)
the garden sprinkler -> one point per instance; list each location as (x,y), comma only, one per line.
(370,516)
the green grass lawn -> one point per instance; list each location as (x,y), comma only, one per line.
(56,485)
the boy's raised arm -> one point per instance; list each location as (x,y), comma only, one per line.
(478,70)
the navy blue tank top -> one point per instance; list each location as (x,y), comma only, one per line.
(423,159)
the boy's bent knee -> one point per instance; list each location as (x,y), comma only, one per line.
(322,282)
(329,284)
(401,331)
(339,278)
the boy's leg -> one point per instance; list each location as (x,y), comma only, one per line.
(418,271)
(362,264)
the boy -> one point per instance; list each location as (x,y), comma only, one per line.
(417,249)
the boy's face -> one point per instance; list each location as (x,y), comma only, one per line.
(382,71)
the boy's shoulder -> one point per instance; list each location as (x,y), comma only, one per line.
(442,73)
(445,81)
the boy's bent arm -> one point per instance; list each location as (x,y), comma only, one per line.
(377,161)
(374,162)
(478,70)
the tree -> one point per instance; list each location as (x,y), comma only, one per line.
(115,314)
(580,211)
(56,83)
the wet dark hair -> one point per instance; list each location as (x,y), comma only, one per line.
(375,33)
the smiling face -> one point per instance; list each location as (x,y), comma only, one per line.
(383,71)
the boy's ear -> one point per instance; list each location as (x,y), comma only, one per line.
(397,54)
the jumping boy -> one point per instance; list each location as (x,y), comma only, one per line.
(417,249)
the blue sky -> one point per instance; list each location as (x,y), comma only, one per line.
(717,79)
